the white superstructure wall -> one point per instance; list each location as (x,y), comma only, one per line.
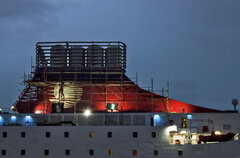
(142,135)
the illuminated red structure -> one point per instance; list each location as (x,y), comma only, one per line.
(74,76)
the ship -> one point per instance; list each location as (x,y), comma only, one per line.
(79,102)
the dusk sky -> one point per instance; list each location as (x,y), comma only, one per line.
(193,44)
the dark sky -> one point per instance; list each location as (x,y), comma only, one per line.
(193,44)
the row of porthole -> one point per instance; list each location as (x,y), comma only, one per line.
(91,134)
(67,152)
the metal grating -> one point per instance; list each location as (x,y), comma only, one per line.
(81,56)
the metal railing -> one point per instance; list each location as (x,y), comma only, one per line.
(79,119)
(81,56)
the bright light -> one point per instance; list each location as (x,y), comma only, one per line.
(1,120)
(189,117)
(172,128)
(28,118)
(183,132)
(13,118)
(87,112)
(37,112)
(12,108)
(0,109)
(156,116)
(157,120)
(169,129)
(217,132)
(112,107)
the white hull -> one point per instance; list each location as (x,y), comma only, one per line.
(122,143)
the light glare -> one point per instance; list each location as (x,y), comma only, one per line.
(157,120)
(1,121)
(13,118)
(87,112)
(37,112)
(183,132)
(189,117)
(28,118)
(113,107)
(217,132)
(172,128)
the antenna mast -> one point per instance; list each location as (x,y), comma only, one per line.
(167,96)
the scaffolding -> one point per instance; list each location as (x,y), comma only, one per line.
(73,73)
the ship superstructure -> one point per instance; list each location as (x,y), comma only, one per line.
(78,102)
(73,76)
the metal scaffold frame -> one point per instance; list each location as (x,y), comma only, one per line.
(87,56)
(100,66)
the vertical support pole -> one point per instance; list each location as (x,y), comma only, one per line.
(189,133)
(121,92)
(91,84)
(152,95)
(121,96)
(136,92)
(136,78)
(91,87)
(45,89)
(37,56)
(31,66)
(75,98)
(106,78)
(167,96)
(106,93)
(67,54)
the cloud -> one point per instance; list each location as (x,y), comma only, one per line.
(209,22)
(194,44)
(14,9)
(25,19)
